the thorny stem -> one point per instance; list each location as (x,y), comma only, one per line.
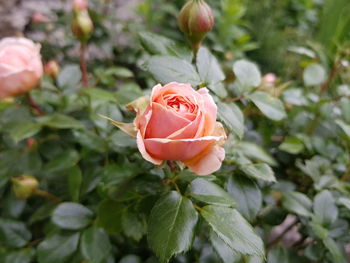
(36,108)
(83,65)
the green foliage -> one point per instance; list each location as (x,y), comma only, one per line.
(287,151)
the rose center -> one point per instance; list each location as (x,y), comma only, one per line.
(179,103)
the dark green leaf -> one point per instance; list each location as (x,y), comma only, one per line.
(227,254)
(208,67)
(334,249)
(171,225)
(24,130)
(232,116)
(13,233)
(271,107)
(167,69)
(72,216)
(247,194)
(278,255)
(59,121)
(134,225)
(95,245)
(298,203)
(325,210)
(314,74)
(74,182)
(63,161)
(257,170)
(254,151)
(69,76)
(209,193)
(292,145)
(247,74)
(21,256)
(233,229)
(109,216)
(58,248)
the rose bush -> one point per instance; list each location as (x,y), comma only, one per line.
(180,124)
(20,66)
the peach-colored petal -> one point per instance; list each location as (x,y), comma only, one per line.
(179,150)
(163,122)
(15,84)
(189,131)
(208,162)
(144,153)
(210,111)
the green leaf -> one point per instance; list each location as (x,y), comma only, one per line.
(278,255)
(227,254)
(90,140)
(314,74)
(334,249)
(247,74)
(297,203)
(232,116)
(134,225)
(70,76)
(325,210)
(59,121)
(109,216)
(254,151)
(247,194)
(171,225)
(210,193)
(292,145)
(345,202)
(345,109)
(167,69)
(100,95)
(259,171)
(63,161)
(21,256)
(24,130)
(120,72)
(71,216)
(208,67)
(95,245)
(271,107)
(128,92)
(75,179)
(13,233)
(233,229)
(344,126)
(58,248)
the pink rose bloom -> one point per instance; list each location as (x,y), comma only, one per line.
(20,66)
(179,124)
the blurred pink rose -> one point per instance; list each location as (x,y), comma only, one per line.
(80,4)
(20,66)
(179,124)
(40,18)
(269,79)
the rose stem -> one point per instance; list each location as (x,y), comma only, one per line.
(83,66)
(34,106)
(47,196)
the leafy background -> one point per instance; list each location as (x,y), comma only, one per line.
(282,194)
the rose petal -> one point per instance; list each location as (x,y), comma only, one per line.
(208,162)
(20,82)
(178,150)
(210,110)
(163,122)
(144,153)
(189,131)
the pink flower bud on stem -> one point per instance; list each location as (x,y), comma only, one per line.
(24,186)
(195,21)
(52,69)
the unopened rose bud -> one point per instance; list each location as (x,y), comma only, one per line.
(80,4)
(269,79)
(40,18)
(52,69)
(196,20)
(82,25)
(24,186)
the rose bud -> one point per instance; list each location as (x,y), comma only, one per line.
(269,79)
(24,186)
(20,66)
(179,124)
(52,69)
(80,4)
(196,20)
(82,26)
(40,18)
